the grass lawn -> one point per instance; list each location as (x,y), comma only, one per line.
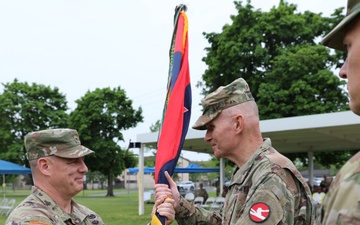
(122,209)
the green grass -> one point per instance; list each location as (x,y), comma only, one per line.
(122,209)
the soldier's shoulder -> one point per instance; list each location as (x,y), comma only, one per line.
(349,171)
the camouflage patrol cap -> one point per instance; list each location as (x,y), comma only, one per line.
(224,97)
(64,143)
(334,39)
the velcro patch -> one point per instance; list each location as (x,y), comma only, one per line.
(259,212)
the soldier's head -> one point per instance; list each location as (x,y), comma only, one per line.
(56,158)
(224,97)
(230,116)
(346,37)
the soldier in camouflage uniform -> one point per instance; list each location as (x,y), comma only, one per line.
(56,161)
(342,202)
(265,188)
(202,192)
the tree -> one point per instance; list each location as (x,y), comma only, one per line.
(25,108)
(99,117)
(155,127)
(94,177)
(277,53)
(252,46)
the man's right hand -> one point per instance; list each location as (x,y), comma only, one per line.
(162,191)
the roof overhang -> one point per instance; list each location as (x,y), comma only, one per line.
(322,132)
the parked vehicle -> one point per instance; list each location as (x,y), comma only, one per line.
(186,185)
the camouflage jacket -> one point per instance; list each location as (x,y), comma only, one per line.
(342,202)
(267,189)
(39,208)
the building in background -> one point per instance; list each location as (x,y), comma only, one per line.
(130,180)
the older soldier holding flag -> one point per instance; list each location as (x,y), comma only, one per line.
(265,188)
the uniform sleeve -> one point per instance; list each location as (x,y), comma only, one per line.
(188,214)
(342,202)
(270,202)
(264,207)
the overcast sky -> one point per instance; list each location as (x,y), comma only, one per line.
(81,45)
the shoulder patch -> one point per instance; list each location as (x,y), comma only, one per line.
(259,212)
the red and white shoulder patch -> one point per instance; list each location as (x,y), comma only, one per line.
(259,212)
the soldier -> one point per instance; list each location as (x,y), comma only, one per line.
(202,192)
(56,159)
(265,188)
(342,202)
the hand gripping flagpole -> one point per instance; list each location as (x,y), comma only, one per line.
(177,106)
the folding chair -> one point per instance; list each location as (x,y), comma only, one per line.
(198,201)
(8,207)
(3,202)
(208,203)
(190,196)
(218,204)
(147,196)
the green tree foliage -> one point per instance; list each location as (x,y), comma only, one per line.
(278,54)
(95,177)
(99,117)
(25,108)
(213,163)
(155,127)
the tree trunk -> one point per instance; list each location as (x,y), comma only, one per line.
(110,188)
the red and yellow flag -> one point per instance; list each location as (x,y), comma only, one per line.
(177,107)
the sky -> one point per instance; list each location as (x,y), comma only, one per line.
(80,45)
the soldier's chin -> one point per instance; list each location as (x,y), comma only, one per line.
(79,183)
(79,188)
(355,107)
(217,155)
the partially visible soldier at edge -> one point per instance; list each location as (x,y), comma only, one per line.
(265,187)
(342,202)
(56,159)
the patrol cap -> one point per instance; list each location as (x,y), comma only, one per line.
(334,39)
(64,143)
(224,97)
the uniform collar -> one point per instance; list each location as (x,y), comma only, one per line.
(241,173)
(77,213)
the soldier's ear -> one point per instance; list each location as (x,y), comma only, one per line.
(239,123)
(43,165)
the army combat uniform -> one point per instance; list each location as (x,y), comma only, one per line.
(342,202)
(39,209)
(267,189)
